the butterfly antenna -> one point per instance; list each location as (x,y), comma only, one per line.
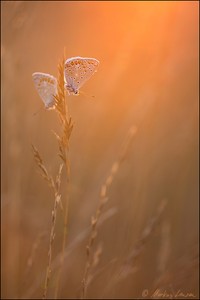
(85,94)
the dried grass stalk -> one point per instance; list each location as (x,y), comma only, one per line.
(43,171)
(128,266)
(55,185)
(45,174)
(52,236)
(66,120)
(31,258)
(68,251)
(102,201)
(165,247)
(63,144)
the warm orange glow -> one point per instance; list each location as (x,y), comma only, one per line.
(147,80)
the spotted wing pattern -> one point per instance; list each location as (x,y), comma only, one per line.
(46,85)
(77,71)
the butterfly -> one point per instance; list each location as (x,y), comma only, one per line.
(46,85)
(78,70)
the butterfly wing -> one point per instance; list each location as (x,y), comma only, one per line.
(46,85)
(78,70)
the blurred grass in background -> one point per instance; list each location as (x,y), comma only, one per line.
(148,77)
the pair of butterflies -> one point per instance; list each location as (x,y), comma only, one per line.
(77,70)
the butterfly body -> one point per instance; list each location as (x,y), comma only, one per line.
(71,90)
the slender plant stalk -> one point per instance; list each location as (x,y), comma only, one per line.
(34,250)
(63,248)
(102,201)
(128,266)
(63,142)
(55,185)
(52,236)
(68,251)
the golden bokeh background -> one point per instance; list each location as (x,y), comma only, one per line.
(148,78)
